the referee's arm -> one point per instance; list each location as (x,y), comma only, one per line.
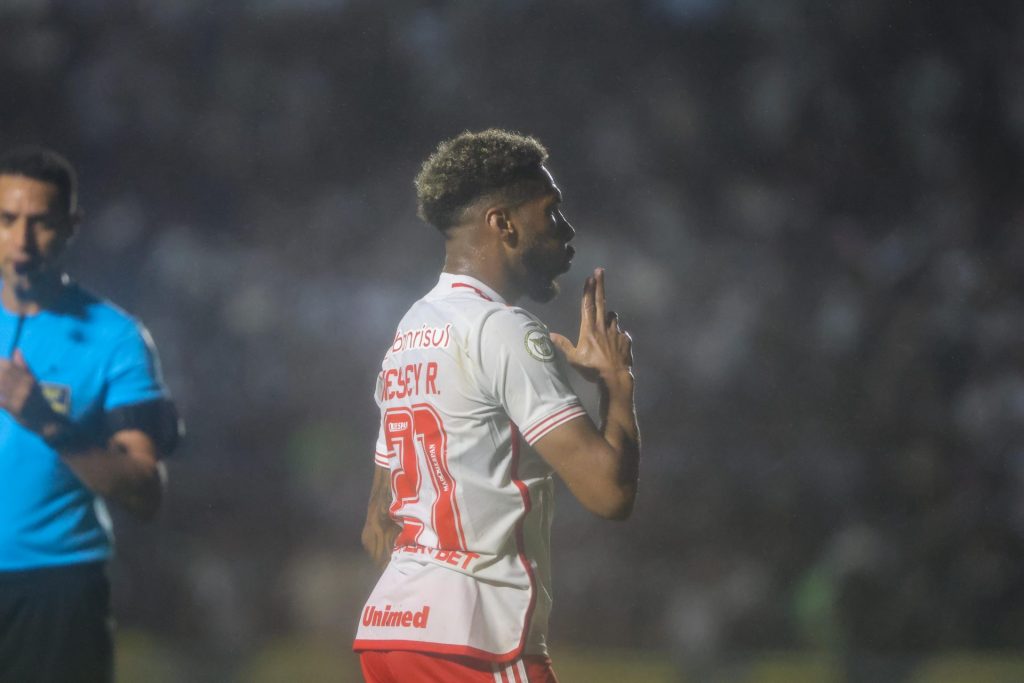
(128,471)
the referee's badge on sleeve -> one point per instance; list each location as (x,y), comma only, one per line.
(58,396)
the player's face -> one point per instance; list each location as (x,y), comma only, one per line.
(33,230)
(546,252)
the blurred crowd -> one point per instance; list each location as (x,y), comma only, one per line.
(813,223)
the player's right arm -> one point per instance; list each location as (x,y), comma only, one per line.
(380,530)
(600,466)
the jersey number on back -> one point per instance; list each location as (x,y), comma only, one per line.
(417,437)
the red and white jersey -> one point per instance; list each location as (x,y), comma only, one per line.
(465,382)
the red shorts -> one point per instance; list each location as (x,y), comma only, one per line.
(399,666)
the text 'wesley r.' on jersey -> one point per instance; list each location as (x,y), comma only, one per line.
(467,379)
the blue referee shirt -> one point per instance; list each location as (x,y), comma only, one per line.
(89,357)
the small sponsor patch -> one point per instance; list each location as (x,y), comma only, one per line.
(58,396)
(539,345)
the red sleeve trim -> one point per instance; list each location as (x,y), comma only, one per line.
(541,427)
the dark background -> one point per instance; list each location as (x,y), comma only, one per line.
(811,216)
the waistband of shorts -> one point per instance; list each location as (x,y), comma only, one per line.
(60,572)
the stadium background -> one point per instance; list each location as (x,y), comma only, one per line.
(811,214)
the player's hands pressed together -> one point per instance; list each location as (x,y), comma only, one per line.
(600,466)
(604,351)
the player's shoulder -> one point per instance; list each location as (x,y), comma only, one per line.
(465,290)
(513,327)
(505,317)
(462,300)
(470,314)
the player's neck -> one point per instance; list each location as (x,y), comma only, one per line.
(481,262)
(497,284)
(486,271)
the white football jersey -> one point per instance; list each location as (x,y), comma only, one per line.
(465,382)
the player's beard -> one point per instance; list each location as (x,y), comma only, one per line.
(541,267)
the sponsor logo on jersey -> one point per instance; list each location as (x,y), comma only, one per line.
(388,618)
(538,345)
(456,558)
(58,396)
(425,337)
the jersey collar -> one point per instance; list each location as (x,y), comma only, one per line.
(449,282)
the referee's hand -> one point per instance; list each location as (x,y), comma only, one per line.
(604,351)
(20,394)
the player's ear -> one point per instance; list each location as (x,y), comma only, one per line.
(499,220)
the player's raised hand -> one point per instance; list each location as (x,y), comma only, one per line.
(604,351)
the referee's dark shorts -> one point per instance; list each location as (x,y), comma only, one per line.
(55,625)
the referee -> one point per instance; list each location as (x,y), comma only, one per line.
(84,418)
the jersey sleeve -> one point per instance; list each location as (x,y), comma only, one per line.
(133,372)
(523,372)
(381,454)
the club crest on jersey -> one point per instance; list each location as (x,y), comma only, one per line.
(539,345)
(58,396)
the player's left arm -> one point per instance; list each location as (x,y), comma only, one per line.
(599,464)
(380,530)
